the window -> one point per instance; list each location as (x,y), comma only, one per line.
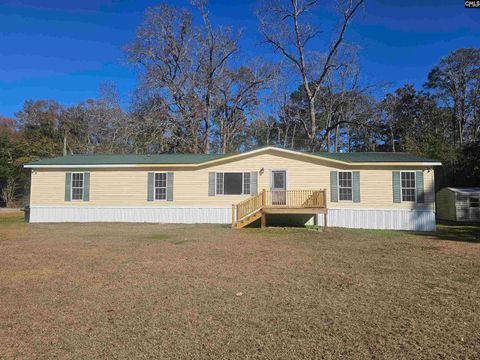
(77,186)
(246,183)
(408,186)
(160,186)
(219,183)
(345,185)
(279,180)
(232,183)
(474,201)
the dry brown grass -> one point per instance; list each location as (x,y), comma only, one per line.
(171,291)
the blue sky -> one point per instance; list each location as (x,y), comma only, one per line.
(64,50)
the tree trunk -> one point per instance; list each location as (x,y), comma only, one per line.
(392,136)
(285,137)
(337,129)
(65,143)
(328,140)
(292,146)
(207,128)
(313,122)
(224,145)
(349,141)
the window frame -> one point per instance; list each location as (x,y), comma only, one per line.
(415,186)
(71,185)
(223,182)
(155,187)
(217,175)
(243,183)
(477,200)
(343,187)
(272,176)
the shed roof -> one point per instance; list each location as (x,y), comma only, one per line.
(465,190)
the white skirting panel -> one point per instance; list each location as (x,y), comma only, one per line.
(420,220)
(391,219)
(165,214)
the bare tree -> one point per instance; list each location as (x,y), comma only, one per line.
(337,95)
(217,45)
(164,50)
(97,125)
(184,63)
(282,26)
(456,81)
(152,130)
(238,93)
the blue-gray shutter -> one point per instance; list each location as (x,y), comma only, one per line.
(420,187)
(211,184)
(334,186)
(68,186)
(150,187)
(356,186)
(253,183)
(86,186)
(397,193)
(170,186)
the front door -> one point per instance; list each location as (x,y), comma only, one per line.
(279,187)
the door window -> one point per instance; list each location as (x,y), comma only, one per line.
(279,180)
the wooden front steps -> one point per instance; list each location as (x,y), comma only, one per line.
(248,220)
(278,202)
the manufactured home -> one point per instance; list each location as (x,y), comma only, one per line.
(356,190)
(459,204)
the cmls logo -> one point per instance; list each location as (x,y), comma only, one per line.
(472,4)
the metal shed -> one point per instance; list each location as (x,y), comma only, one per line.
(459,204)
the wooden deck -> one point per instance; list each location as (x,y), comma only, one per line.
(294,210)
(278,202)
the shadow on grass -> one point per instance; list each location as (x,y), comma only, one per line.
(465,232)
(168,239)
(454,231)
(9,218)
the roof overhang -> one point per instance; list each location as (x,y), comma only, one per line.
(240,156)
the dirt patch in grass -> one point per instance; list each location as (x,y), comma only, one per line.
(172,291)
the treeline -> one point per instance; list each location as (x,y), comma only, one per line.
(198,92)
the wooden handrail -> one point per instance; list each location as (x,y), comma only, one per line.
(296,198)
(250,205)
(278,198)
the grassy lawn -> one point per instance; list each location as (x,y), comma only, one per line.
(181,291)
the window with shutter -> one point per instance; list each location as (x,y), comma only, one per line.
(345,187)
(408,186)
(160,186)
(233,183)
(77,186)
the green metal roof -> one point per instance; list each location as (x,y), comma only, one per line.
(107,159)
(167,159)
(354,157)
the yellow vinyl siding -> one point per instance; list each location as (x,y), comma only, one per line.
(128,187)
